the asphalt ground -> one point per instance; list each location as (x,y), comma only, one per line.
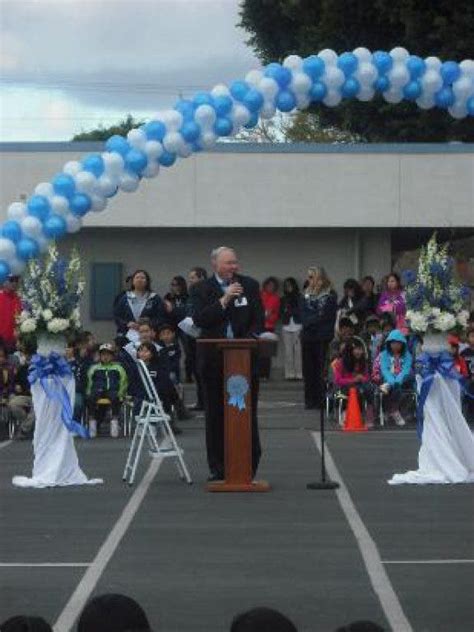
(401,556)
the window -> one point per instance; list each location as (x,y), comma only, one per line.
(106,283)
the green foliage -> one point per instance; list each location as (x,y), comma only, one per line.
(103,133)
(278,28)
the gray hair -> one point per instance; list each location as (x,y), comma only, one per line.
(215,252)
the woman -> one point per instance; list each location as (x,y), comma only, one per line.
(177,303)
(291,329)
(271,306)
(369,300)
(349,305)
(392,300)
(318,314)
(139,302)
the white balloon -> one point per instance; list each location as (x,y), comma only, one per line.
(293,62)
(45,189)
(302,101)
(128,183)
(332,98)
(398,75)
(425,102)
(431,81)
(16,265)
(268,110)
(137,138)
(72,167)
(16,211)
(205,115)
(300,83)
(333,77)
(106,185)
(208,139)
(463,87)
(268,87)
(73,223)
(60,205)
(113,163)
(363,54)
(43,243)
(85,181)
(221,90)
(31,226)
(240,115)
(366,93)
(7,249)
(399,54)
(393,95)
(467,68)
(172,119)
(153,149)
(254,77)
(99,203)
(184,150)
(458,110)
(152,169)
(366,73)
(433,62)
(173,141)
(328,56)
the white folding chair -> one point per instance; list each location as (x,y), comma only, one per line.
(152,425)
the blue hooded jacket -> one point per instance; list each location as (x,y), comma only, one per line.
(386,360)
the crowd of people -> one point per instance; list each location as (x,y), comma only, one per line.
(361,340)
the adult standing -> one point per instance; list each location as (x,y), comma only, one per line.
(10,307)
(369,300)
(195,276)
(227,305)
(318,313)
(176,302)
(271,306)
(139,302)
(392,300)
(291,329)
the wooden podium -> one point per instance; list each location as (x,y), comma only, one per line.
(237,369)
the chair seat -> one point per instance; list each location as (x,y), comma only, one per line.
(103,401)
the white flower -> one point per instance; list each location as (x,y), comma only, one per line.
(418,321)
(28,326)
(463,317)
(24,315)
(445,321)
(47,314)
(435,312)
(57,325)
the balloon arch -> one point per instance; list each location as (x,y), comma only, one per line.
(56,208)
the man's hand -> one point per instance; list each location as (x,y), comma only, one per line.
(232,291)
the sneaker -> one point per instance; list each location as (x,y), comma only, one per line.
(114,428)
(398,419)
(92,428)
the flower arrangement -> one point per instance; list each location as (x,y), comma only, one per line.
(434,298)
(51,291)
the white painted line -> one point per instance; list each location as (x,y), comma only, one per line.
(4,444)
(90,578)
(427,561)
(42,564)
(370,554)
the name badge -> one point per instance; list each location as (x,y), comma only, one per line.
(240,302)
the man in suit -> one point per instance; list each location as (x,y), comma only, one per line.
(227,305)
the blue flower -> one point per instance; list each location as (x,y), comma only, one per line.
(409,277)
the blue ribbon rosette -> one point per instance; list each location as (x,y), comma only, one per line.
(55,366)
(237,389)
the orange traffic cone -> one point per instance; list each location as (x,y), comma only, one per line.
(354,421)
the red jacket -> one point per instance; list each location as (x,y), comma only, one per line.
(271,305)
(10,306)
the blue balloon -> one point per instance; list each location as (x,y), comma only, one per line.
(281,74)
(253,120)
(450,71)
(186,108)
(470,106)
(54,226)
(416,66)
(94,164)
(223,105)
(80,204)
(118,144)
(253,100)
(11,230)
(382,61)
(314,66)
(27,248)
(239,89)
(167,159)
(285,101)
(136,161)
(381,84)
(348,63)
(203,98)
(190,131)
(4,271)
(39,207)
(63,184)
(445,98)
(318,91)
(412,90)
(196,147)
(350,88)
(223,126)
(155,130)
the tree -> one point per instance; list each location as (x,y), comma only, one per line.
(278,28)
(103,133)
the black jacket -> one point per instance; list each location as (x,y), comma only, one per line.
(247,320)
(290,307)
(318,314)
(154,310)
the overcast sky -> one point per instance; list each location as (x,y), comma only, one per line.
(67,65)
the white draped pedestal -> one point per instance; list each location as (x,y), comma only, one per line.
(447,451)
(55,457)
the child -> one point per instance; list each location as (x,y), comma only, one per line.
(345,331)
(372,337)
(20,403)
(7,376)
(71,355)
(395,369)
(351,369)
(106,380)
(468,356)
(459,362)
(167,338)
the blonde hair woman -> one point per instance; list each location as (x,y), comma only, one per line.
(318,314)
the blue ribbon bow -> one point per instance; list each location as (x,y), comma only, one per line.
(55,366)
(237,389)
(427,365)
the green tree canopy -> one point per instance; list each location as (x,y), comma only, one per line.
(443,28)
(103,133)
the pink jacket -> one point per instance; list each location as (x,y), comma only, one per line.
(342,378)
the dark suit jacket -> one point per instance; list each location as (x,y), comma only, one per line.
(246,320)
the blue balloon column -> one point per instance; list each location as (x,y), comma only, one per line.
(57,207)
